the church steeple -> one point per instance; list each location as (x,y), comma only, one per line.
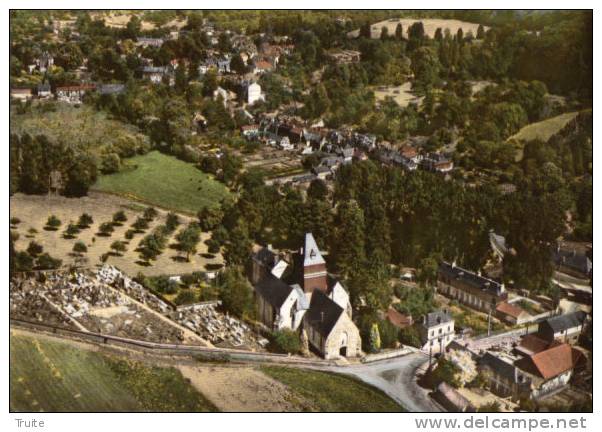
(314,266)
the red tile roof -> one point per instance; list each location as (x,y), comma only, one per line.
(551,362)
(398,319)
(532,344)
(509,309)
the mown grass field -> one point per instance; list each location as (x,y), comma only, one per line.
(164,181)
(544,129)
(56,377)
(331,392)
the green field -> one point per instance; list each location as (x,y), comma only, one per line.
(544,129)
(56,377)
(166,182)
(331,392)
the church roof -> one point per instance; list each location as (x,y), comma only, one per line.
(273,290)
(311,252)
(323,313)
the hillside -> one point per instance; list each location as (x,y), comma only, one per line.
(544,129)
(430,26)
(166,182)
(57,377)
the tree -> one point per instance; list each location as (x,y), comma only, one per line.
(384,33)
(85,220)
(184,297)
(235,292)
(188,239)
(374,338)
(349,240)
(399,32)
(445,371)
(53,223)
(172,221)
(119,218)
(238,246)
(106,229)
(210,217)
(425,66)
(80,248)
(480,32)
(34,249)
(23,261)
(410,336)
(285,341)
(140,224)
(150,213)
(317,190)
(46,262)
(118,247)
(71,231)
(238,65)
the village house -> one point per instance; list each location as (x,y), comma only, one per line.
(345,56)
(43,63)
(261,66)
(398,319)
(503,378)
(254,93)
(572,263)
(21,93)
(436,331)
(145,42)
(438,162)
(511,314)
(303,296)
(469,288)
(249,131)
(564,328)
(75,93)
(44,90)
(550,370)
(111,89)
(155,74)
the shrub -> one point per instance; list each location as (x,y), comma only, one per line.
(140,224)
(53,223)
(80,247)
(118,246)
(183,297)
(447,372)
(172,221)
(85,220)
(150,213)
(15,221)
(129,234)
(23,261)
(410,336)
(34,249)
(389,334)
(106,228)
(119,218)
(285,341)
(46,262)
(71,231)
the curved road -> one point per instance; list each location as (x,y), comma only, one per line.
(397,378)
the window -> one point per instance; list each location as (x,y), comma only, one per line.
(440,331)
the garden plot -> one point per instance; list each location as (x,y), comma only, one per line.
(402,94)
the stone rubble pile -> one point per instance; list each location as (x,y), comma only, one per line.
(203,319)
(30,305)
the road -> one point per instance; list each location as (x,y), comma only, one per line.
(397,378)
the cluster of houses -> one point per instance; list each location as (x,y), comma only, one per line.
(72,94)
(295,291)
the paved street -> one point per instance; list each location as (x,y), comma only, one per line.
(397,378)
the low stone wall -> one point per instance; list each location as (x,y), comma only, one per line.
(389,354)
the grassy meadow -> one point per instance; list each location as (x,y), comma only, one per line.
(331,392)
(48,376)
(166,182)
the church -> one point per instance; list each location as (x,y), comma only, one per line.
(301,295)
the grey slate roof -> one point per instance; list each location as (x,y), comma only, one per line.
(470,278)
(273,290)
(436,318)
(323,313)
(573,260)
(567,321)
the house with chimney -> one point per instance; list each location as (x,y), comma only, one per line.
(564,328)
(469,288)
(299,294)
(436,331)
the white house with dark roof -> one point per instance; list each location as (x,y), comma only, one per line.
(565,328)
(436,331)
(303,296)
